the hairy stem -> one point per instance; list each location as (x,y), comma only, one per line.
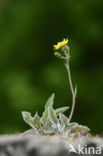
(72,89)
(65,49)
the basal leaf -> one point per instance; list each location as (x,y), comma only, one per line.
(61,110)
(50,101)
(63,119)
(48,130)
(44,117)
(80,128)
(28,119)
(52,116)
(71,125)
(31,131)
(37,122)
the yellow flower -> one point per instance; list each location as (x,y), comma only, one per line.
(60,44)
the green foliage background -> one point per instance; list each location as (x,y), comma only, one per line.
(29,72)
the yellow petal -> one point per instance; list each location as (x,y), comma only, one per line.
(60,44)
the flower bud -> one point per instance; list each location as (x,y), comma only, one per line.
(57,54)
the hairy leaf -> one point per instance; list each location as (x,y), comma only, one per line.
(48,130)
(28,119)
(61,110)
(31,131)
(71,125)
(52,116)
(80,128)
(50,101)
(63,119)
(37,122)
(44,118)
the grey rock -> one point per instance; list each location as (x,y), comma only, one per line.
(31,145)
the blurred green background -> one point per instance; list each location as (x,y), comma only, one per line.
(29,72)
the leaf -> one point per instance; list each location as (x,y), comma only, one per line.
(44,117)
(80,128)
(71,125)
(37,122)
(52,116)
(28,119)
(63,119)
(50,101)
(61,110)
(48,130)
(30,131)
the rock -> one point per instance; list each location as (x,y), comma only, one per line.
(31,145)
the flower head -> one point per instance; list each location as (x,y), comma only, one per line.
(60,44)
